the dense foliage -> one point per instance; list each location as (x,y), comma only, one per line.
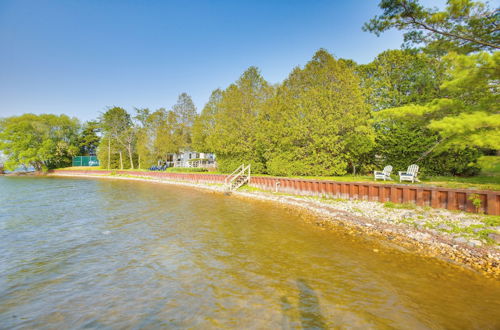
(41,141)
(317,124)
(436,105)
(463,26)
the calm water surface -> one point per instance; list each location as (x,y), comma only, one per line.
(82,253)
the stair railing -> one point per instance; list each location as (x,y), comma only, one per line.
(229,181)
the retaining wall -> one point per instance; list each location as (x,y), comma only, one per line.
(421,195)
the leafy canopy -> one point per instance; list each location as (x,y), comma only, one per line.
(464,26)
(318,122)
(468,115)
(43,141)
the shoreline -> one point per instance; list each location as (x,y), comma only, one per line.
(334,214)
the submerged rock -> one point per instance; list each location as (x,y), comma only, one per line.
(495,237)
(460,240)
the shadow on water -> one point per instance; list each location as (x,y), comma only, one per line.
(309,309)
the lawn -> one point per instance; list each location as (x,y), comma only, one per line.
(488,179)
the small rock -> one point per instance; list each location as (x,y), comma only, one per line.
(495,237)
(460,240)
(444,227)
(474,242)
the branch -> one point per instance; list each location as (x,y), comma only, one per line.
(448,34)
(456,36)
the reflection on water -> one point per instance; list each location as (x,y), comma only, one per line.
(114,254)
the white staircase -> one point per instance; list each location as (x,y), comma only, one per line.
(238,178)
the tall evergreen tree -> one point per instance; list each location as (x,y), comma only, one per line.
(204,125)
(185,111)
(318,122)
(88,139)
(233,136)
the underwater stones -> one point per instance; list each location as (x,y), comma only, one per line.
(461,240)
(495,237)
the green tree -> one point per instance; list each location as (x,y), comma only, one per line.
(463,26)
(204,125)
(233,121)
(399,77)
(318,123)
(43,141)
(159,134)
(110,153)
(445,133)
(170,136)
(468,114)
(88,139)
(117,124)
(185,111)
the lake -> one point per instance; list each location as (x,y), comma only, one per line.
(95,253)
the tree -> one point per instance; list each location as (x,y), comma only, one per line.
(43,141)
(88,140)
(398,77)
(453,126)
(159,134)
(185,111)
(317,122)
(204,125)
(468,114)
(143,143)
(116,122)
(233,122)
(463,26)
(109,152)
(169,135)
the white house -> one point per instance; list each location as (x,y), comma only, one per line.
(189,158)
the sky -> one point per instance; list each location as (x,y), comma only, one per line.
(80,57)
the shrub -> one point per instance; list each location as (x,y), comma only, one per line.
(227,164)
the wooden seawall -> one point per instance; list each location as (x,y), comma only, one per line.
(421,195)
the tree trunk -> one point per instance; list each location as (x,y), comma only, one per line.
(121,161)
(130,155)
(109,153)
(139,160)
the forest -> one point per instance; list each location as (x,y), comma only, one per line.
(433,102)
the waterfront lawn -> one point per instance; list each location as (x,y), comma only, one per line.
(489,178)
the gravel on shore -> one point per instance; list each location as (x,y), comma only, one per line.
(466,239)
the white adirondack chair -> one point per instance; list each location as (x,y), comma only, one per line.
(385,174)
(410,174)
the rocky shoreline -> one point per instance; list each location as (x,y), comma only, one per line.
(468,240)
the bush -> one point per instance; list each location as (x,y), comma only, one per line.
(402,144)
(227,164)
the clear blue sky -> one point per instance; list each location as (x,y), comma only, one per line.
(78,57)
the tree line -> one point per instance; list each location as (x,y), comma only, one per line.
(434,102)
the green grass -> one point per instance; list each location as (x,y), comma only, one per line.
(491,220)
(186,169)
(407,206)
(476,182)
(489,178)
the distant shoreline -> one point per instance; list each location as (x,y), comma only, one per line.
(485,259)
